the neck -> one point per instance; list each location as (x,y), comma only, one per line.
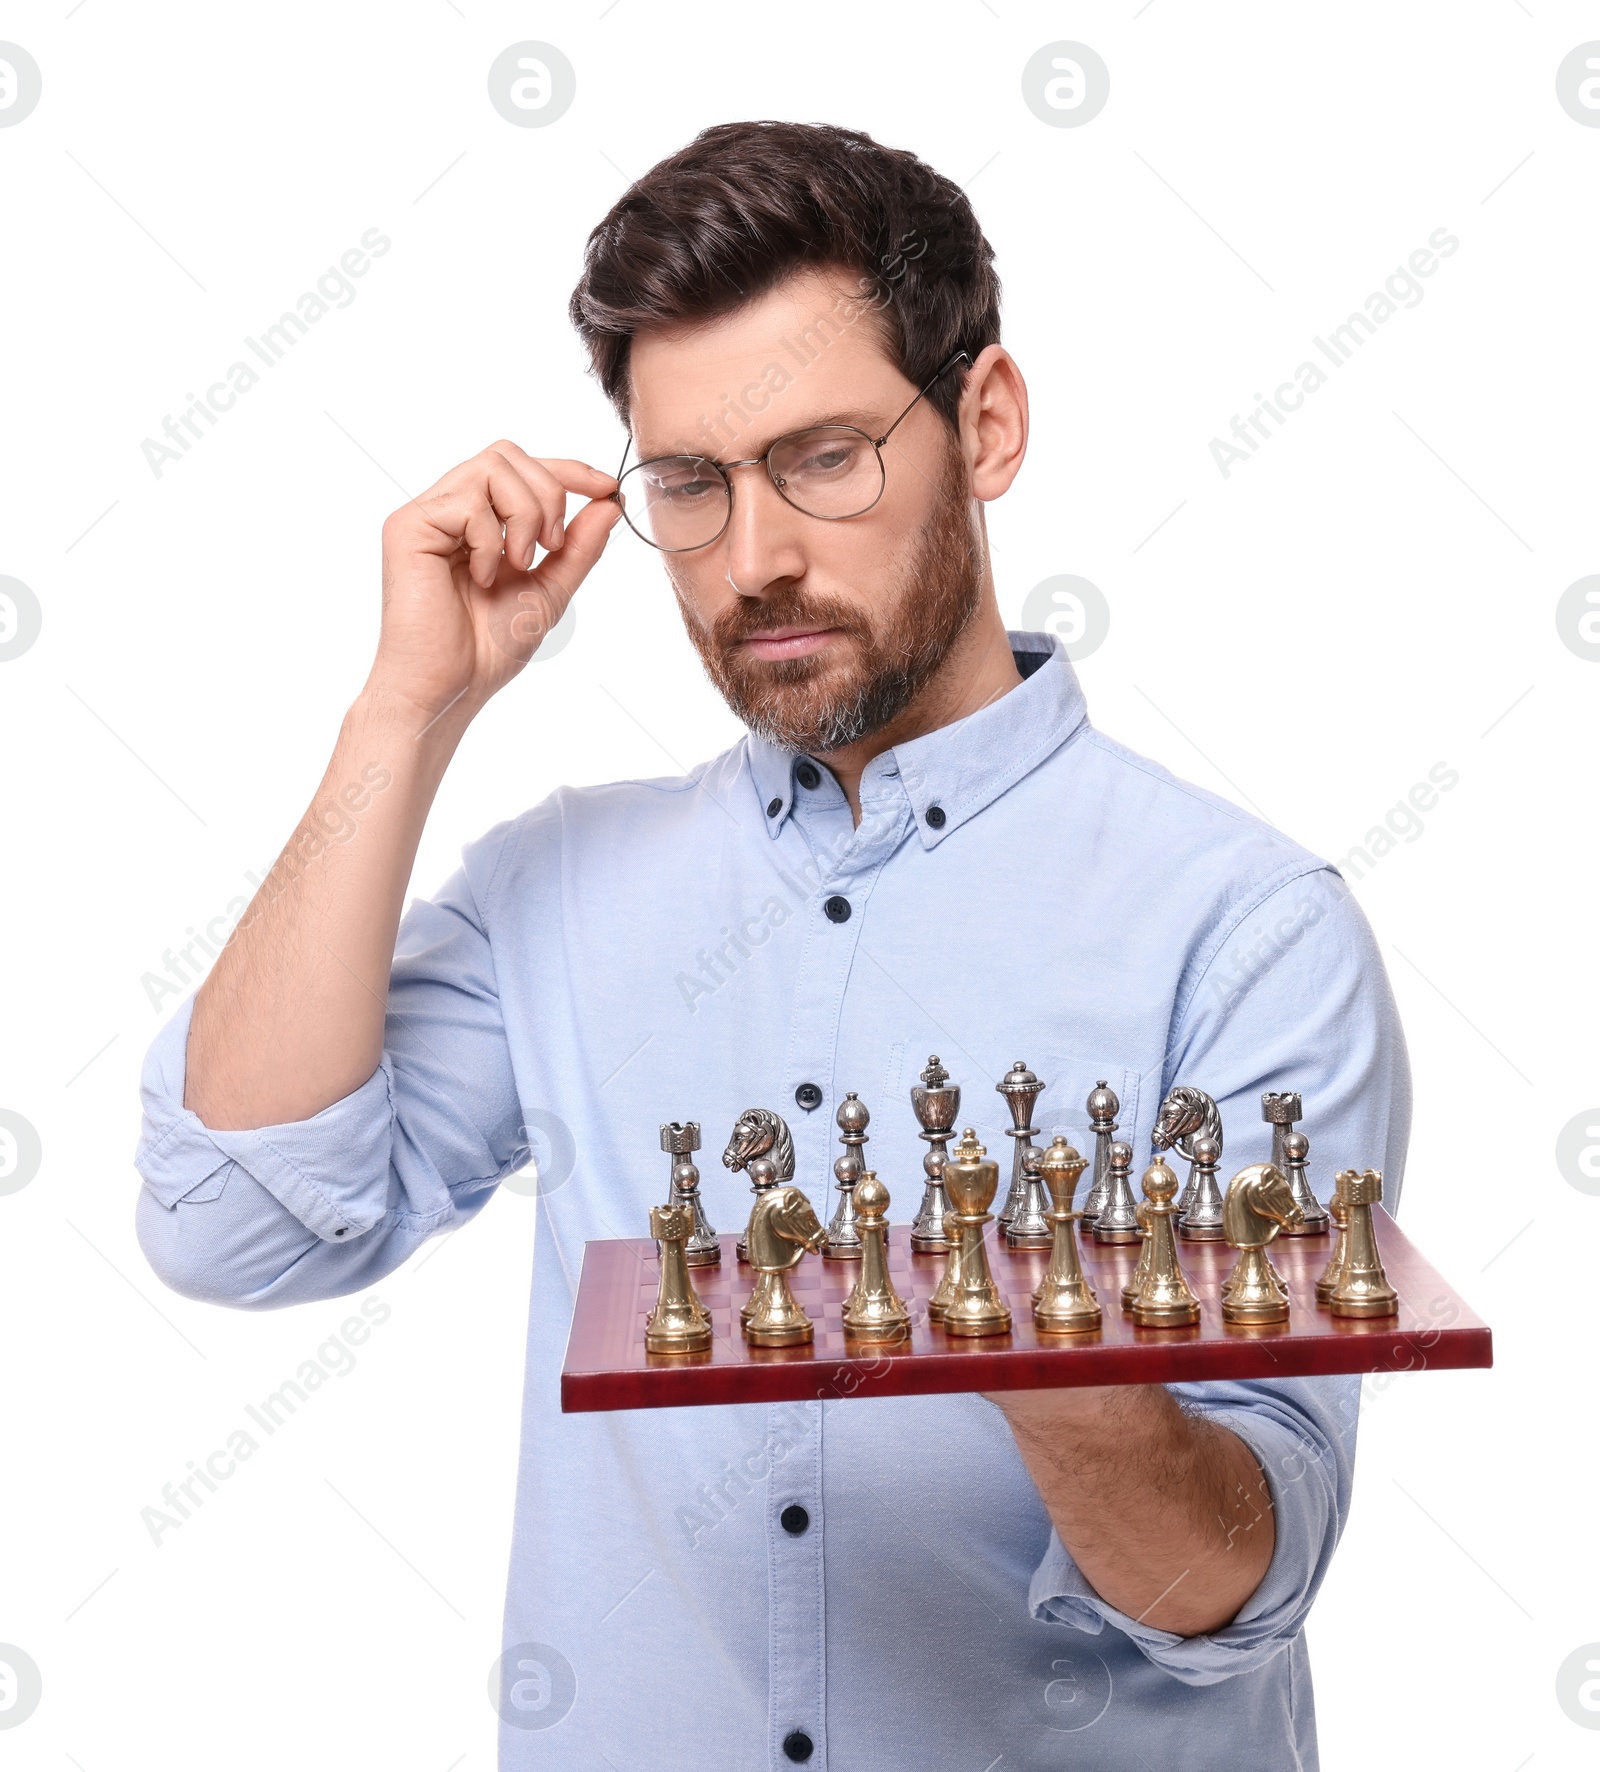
(980,669)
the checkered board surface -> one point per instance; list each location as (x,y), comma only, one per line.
(608,1367)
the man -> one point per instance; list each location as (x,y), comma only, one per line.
(922,846)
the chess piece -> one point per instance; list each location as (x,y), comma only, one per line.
(977,1307)
(1102,1108)
(1362,1288)
(680,1323)
(936,1101)
(1117,1222)
(1329,1277)
(1030,1223)
(1142,1214)
(949,1286)
(759,1134)
(1164,1300)
(1260,1203)
(844,1243)
(782,1228)
(1186,1114)
(679,1142)
(874,1311)
(1063,1302)
(1313,1219)
(1022,1089)
(1201,1220)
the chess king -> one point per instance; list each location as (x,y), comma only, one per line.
(920,843)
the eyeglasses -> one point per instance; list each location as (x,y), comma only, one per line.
(681,502)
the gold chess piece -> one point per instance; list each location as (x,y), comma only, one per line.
(1164,1300)
(1063,1302)
(970,1180)
(680,1323)
(1260,1203)
(782,1228)
(950,1280)
(1142,1213)
(1329,1277)
(874,1311)
(1362,1289)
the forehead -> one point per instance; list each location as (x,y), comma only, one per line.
(810,350)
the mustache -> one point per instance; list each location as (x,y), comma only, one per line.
(785,608)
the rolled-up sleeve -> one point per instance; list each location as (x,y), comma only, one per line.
(1289,993)
(324,1206)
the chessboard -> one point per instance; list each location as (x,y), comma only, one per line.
(608,1367)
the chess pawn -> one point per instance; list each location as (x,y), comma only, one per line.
(874,1311)
(1201,1220)
(763,1173)
(936,1101)
(949,1286)
(782,1228)
(1022,1089)
(1164,1300)
(1313,1219)
(1329,1278)
(1118,1222)
(844,1242)
(1063,1302)
(1102,1108)
(1030,1224)
(680,1323)
(704,1248)
(1259,1205)
(1142,1213)
(1362,1288)
(679,1141)
(971,1181)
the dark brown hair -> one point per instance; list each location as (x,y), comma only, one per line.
(745,205)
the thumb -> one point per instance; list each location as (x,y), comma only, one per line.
(560,573)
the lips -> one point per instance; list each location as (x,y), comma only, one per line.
(791,642)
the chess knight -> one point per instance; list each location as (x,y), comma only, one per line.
(783,1227)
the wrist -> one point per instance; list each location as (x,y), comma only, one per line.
(397,719)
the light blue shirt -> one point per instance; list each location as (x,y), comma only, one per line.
(659,950)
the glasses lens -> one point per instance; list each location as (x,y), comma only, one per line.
(676,501)
(832,471)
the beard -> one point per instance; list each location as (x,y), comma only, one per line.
(822,703)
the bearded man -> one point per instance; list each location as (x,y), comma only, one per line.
(921,845)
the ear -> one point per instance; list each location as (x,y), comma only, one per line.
(994,422)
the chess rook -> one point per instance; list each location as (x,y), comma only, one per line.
(1118,1222)
(935,1101)
(1362,1288)
(679,1324)
(874,1311)
(1063,1302)
(1102,1108)
(679,1141)
(1259,1205)
(1022,1089)
(971,1180)
(844,1242)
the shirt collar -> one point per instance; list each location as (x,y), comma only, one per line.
(961,768)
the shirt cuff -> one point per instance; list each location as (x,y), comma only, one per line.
(1270,1619)
(331,1171)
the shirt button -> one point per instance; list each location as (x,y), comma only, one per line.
(809,776)
(836,909)
(797,1745)
(808,1096)
(794,1519)
(935,816)
(774,807)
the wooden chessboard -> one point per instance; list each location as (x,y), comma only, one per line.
(607,1366)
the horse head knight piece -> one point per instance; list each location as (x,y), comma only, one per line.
(1185,1113)
(783,1227)
(761,1145)
(1260,1203)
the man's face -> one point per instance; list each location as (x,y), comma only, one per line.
(816,632)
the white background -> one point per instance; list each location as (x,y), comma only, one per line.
(1371,594)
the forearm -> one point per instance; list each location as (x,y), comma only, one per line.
(291,1017)
(1167,1515)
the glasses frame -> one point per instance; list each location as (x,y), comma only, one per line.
(762,460)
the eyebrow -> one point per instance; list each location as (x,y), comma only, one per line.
(861,418)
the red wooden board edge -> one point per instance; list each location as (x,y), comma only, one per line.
(608,1368)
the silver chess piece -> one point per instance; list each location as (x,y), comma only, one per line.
(1102,1108)
(1022,1089)
(1117,1222)
(1185,1115)
(1030,1226)
(762,1146)
(1202,1220)
(1314,1219)
(936,1101)
(702,1247)
(844,1239)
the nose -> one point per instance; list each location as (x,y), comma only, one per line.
(762,542)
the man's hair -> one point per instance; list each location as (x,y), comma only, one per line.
(745,205)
